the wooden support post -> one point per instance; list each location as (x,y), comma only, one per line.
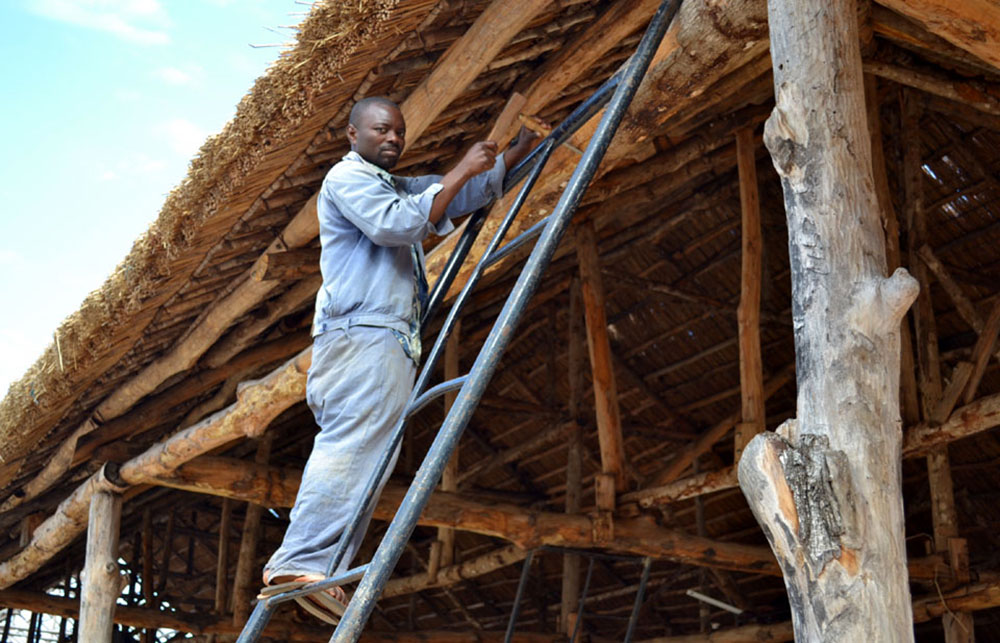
(609,426)
(893,256)
(928,359)
(958,626)
(748,313)
(574,455)
(222,562)
(101,578)
(444,555)
(148,636)
(827,485)
(943,512)
(247,573)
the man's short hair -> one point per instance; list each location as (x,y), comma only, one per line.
(362,106)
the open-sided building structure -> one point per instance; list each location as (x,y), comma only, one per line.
(669,330)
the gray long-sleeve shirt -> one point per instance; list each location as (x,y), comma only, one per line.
(368,222)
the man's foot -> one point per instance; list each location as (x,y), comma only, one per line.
(328,605)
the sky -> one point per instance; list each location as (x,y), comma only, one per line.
(104,103)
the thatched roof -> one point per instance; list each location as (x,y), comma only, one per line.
(668,228)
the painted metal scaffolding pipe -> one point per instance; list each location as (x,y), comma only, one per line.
(633,619)
(434,393)
(582,605)
(521,585)
(393,543)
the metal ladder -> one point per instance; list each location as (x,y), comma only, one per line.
(616,93)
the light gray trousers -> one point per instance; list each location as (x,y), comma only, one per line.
(357,388)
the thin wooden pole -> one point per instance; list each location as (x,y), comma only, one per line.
(748,313)
(574,457)
(149,636)
(222,564)
(609,427)
(890,223)
(245,567)
(101,579)
(944,515)
(449,477)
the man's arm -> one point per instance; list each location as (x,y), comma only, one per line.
(375,208)
(480,158)
(523,143)
(477,160)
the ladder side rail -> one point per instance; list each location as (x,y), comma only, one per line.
(558,136)
(395,539)
(462,248)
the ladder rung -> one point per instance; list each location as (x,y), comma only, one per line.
(318,586)
(435,392)
(516,242)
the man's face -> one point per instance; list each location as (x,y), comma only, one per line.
(379,136)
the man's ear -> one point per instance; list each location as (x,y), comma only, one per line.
(352,134)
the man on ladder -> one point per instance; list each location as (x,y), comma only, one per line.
(366,330)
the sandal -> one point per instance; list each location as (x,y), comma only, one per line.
(328,605)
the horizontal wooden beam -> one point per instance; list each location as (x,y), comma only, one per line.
(965,599)
(288,265)
(526,528)
(971,419)
(472,568)
(972,25)
(278,629)
(257,404)
(701,47)
(982,96)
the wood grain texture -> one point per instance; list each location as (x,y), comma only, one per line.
(972,25)
(806,482)
(748,312)
(102,581)
(609,422)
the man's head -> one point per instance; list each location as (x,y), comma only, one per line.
(377,131)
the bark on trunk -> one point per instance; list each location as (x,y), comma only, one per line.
(826,486)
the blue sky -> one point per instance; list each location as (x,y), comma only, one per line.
(104,104)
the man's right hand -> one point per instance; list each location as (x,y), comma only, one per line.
(478,159)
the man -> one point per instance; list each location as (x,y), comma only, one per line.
(366,331)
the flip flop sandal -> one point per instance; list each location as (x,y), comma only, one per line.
(320,604)
(323,606)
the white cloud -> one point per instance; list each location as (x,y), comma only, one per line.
(140,21)
(173,76)
(183,136)
(108,175)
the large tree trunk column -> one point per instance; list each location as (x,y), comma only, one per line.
(826,486)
